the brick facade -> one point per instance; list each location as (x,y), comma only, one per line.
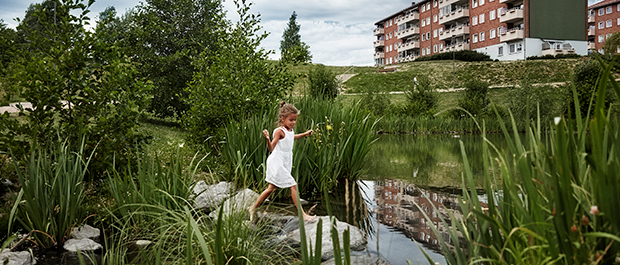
(489,11)
(606,16)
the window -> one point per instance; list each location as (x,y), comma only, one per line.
(618,22)
(491,14)
(481,18)
(423,8)
(474,20)
(618,9)
(441,46)
(601,25)
(607,36)
(475,38)
(428,6)
(481,2)
(609,10)
(482,36)
(435,3)
(492,34)
(609,23)
(601,11)
(424,22)
(428,20)
(441,29)
(423,37)
(428,36)
(434,33)
(601,51)
(435,49)
(500,51)
(428,50)
(519,47)
(435,18)
(601,38)
(423,52)
(511,48)
(475,3)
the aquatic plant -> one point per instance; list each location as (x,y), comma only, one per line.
(559,195)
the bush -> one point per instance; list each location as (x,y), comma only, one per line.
(466,56)
(557,56)
(422,99)
(322,83)
(239,81)
(526,100)
(375,102)
(586,77)
(475,100)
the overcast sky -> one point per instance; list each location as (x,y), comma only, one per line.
(339,32)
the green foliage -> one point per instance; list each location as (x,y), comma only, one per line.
(527,100)
(39,23)
(558,197)
(342,138)
(73,94)
(421,99)
(50,201)
(237,81)
(475,99)
(8,54)
(322,83)
(375,102)
(164,36)
(557,56)
(291,47)
(586,79)
(612,43)
(465,55)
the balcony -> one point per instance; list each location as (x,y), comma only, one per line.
(507,1)
(408,32)
(409,45)
(379,43)
(456,31)
(409,58)
(591,45)
(591,32)
(459,13)
(513,34)
(461,46)
(443,3)
(379,55)
(512,15)
(408,18)
(591,19)
(378,31)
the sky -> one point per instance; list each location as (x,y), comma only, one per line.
(339,32)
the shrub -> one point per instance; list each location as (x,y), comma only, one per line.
(586,77)
(476,98)
(322,82)
(239,81)
(526,100)
(422,99)
(375,102)
(466,55)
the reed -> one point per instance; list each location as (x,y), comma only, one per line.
(50,200)
(558,198)
(343,137)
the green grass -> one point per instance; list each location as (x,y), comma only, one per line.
(440,72)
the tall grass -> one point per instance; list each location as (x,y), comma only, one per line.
(559,198)
(441,124)
(342,138)
(50,201)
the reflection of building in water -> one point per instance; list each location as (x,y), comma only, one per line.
(396,201)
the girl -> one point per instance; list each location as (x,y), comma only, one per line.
(280,162)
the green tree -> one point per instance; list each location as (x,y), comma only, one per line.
(422,98)
(74,95)
(322,82)
(238,81)
(612,44)
(164,36)
(8,54)
(292,49)
(40,20)
(476,97)
(586,75)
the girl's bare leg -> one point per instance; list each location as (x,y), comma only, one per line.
(305,215)
(262,197)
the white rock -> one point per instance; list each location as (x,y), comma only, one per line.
(16,258)
(211,196)
(143,243)
(356,239)
(237,204)
(85,231)
(84,244)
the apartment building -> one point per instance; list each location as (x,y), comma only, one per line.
(502,29)
(603,20)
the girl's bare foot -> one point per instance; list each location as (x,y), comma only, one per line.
(251,210)
(309,218)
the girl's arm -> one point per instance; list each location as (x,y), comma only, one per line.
(306,134)
(277,135)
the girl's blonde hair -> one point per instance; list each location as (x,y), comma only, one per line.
(285,110)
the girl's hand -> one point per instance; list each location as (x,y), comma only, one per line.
(266,134)
(309,133)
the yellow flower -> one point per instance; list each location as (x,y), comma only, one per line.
(328,127)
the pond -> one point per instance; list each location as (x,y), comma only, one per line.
(404,170)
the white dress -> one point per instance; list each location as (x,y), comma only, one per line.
(280,162)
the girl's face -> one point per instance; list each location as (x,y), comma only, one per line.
(289,121)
